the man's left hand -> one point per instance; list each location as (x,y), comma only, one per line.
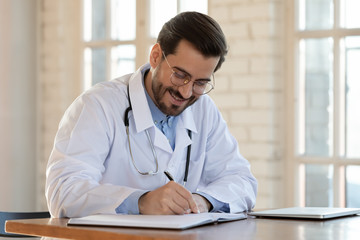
(202,203)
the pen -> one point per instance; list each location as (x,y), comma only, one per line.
(169,176)
(172,179)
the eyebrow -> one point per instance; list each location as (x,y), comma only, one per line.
(200,79)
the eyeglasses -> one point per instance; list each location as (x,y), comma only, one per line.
(180,78)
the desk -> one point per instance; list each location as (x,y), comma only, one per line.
(252,228)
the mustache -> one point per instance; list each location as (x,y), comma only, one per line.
(178,94)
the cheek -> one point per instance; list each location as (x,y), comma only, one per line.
(160,77)
(158,89)
(160,83)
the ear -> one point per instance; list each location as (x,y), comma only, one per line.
(155,55)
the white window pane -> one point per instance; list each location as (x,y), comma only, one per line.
(160,12)
(123,19)
(350,13)
(319,185)
(317,79)
(315,14)
(122,60)
(191,5)
(352,60)
(87,19)
(353,186)
(94,20)
(94,66)
(87,68)
(98,65)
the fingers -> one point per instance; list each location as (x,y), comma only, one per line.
(171,198)
(187,200)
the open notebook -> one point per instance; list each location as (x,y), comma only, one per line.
(307,212)
(156,221)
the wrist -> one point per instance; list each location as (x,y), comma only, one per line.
(203,203)
(141,202)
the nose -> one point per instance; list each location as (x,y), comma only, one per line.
(186,90)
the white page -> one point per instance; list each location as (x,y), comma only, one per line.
(156,221)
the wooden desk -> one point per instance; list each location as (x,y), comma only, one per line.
(252,228)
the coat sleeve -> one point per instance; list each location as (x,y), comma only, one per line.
(76,163)
(226,175)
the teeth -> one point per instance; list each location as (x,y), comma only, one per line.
(176,98)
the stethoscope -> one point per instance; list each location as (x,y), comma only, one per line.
(126,122)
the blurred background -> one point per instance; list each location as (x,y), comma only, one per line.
(289,88)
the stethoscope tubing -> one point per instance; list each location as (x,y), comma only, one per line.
(126,123)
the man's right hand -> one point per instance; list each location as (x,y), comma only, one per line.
(171,198)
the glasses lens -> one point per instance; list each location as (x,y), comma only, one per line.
(199,87)
(203,89)
(179,79)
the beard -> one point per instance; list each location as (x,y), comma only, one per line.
(159,91)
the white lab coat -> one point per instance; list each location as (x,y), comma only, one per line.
(90,169)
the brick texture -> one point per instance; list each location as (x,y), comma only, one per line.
(60,80)
(253,105)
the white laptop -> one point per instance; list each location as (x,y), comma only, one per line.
(307,212)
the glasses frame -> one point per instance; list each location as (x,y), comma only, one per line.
(187,79)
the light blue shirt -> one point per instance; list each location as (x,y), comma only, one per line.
(167,124)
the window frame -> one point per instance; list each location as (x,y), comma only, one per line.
(295,163)
(141,42)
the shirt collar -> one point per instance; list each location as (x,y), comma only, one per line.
(157,115)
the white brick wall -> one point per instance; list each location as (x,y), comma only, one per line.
(249,86)
(251,100)
(59,71)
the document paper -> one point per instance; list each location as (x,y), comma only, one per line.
(156,221)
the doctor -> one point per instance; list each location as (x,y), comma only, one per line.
(117,139)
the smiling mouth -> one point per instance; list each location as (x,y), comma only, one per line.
(178,100)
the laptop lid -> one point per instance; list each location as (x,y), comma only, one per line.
(307,212)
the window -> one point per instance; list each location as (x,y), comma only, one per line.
(117,34)
(326,151)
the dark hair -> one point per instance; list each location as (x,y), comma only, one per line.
(199,29)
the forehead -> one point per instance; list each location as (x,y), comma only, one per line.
(188,58)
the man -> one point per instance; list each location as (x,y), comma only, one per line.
(116,140)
